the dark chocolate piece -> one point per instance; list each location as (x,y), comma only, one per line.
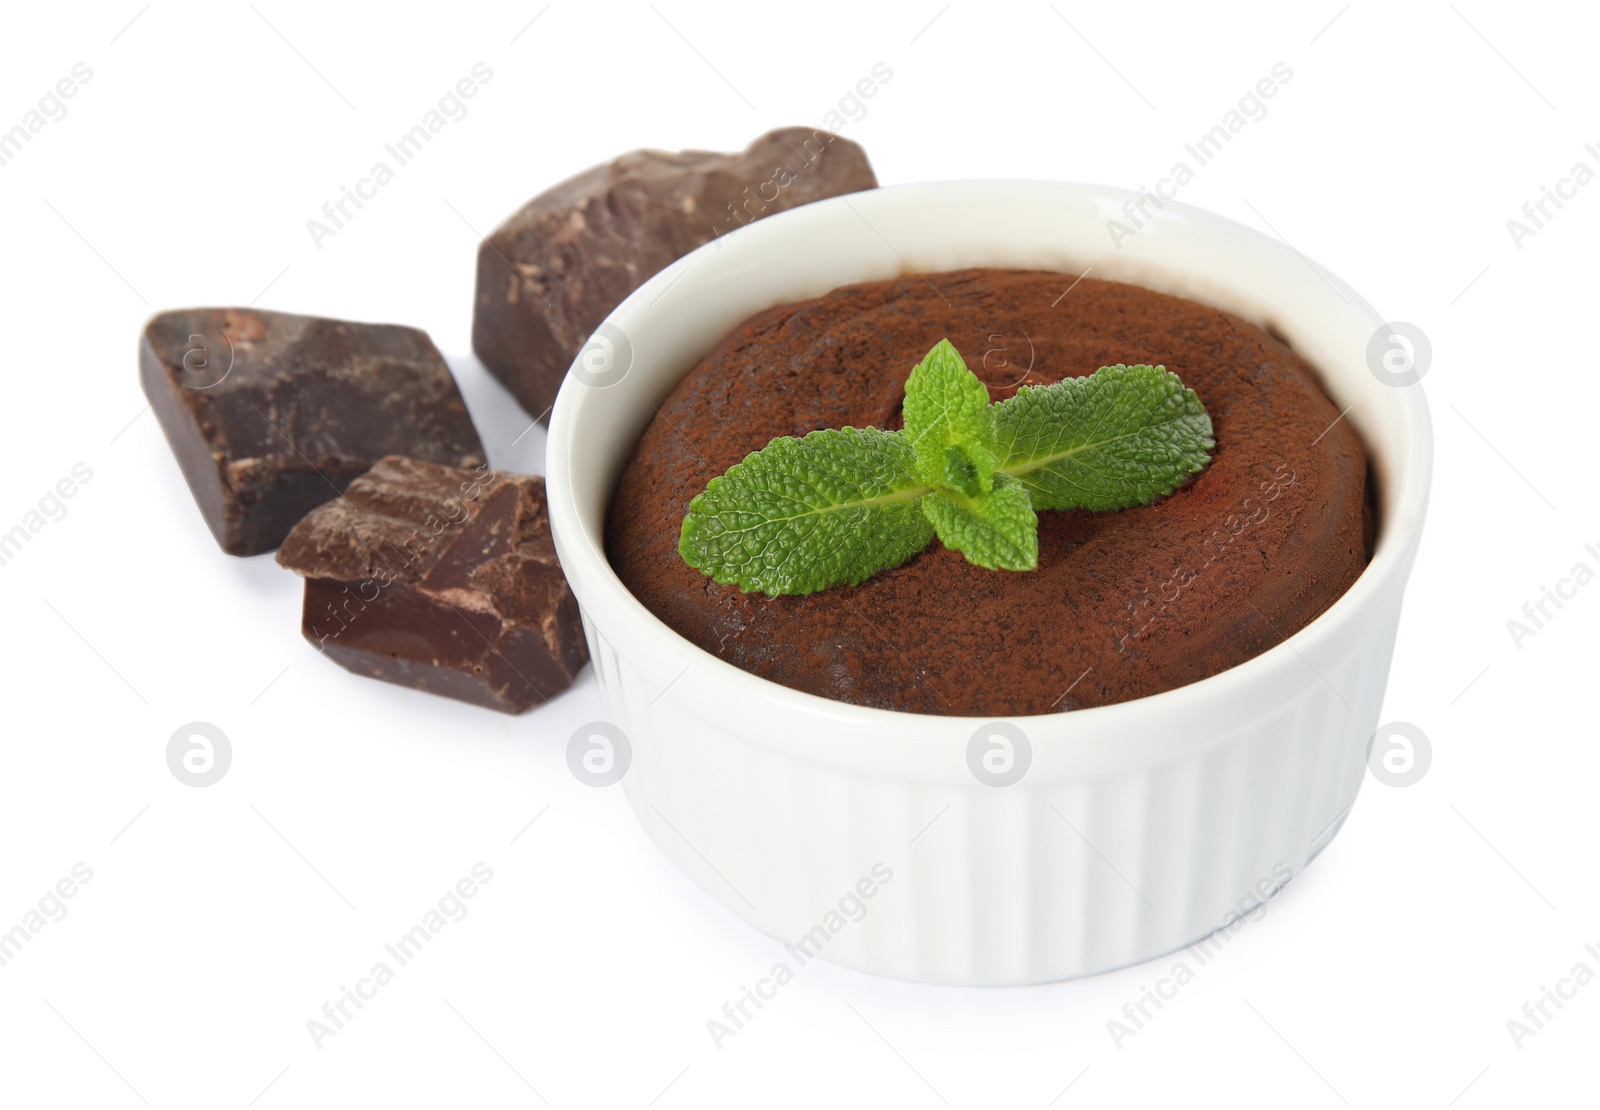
(270,415)
(442,579)
(551,273)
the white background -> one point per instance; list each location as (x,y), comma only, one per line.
(219,920)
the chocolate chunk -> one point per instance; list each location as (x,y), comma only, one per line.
(270,415)
(551,273)
(442,579)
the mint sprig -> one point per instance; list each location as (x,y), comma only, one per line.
(835,507)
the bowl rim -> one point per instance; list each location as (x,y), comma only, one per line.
(599,590)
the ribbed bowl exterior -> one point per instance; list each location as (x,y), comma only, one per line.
(1033,882)
(865,837)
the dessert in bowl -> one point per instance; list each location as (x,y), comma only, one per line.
(1121,604)
(1061,770)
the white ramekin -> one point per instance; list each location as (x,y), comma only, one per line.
(1138,827)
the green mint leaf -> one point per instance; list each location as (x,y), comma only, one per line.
(997,530)
(800,515)
(1123,436)
(950,423)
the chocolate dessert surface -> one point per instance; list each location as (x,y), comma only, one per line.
(1123,604)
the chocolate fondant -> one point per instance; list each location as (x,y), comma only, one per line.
(1123,604)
